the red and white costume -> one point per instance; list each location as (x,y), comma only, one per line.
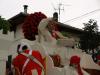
(25,65)
(70,70)
(76,61)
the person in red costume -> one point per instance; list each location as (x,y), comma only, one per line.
(75,62)
(24,65)
(74,67)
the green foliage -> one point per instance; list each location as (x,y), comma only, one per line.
(4,25)
(66,34)
(89,40)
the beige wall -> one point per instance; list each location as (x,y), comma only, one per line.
(5,43)
(19,33)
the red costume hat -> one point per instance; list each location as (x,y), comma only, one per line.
(76,60)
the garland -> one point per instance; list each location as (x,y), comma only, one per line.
(30,25)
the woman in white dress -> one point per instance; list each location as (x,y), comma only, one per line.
(49,36)
(74,67)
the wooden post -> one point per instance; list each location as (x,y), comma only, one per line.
(8,66)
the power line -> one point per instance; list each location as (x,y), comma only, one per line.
(92,12)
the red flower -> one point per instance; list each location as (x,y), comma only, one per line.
(30,25)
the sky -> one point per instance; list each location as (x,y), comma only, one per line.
(72,9)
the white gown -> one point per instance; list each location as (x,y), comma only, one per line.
(51,46)
(50,43)
(71,71)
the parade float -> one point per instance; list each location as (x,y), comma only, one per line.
(42,34)
(43,38)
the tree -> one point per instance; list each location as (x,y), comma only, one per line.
(4,25)
(89,40)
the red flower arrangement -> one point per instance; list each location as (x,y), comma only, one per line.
(30,25)
(57,60)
